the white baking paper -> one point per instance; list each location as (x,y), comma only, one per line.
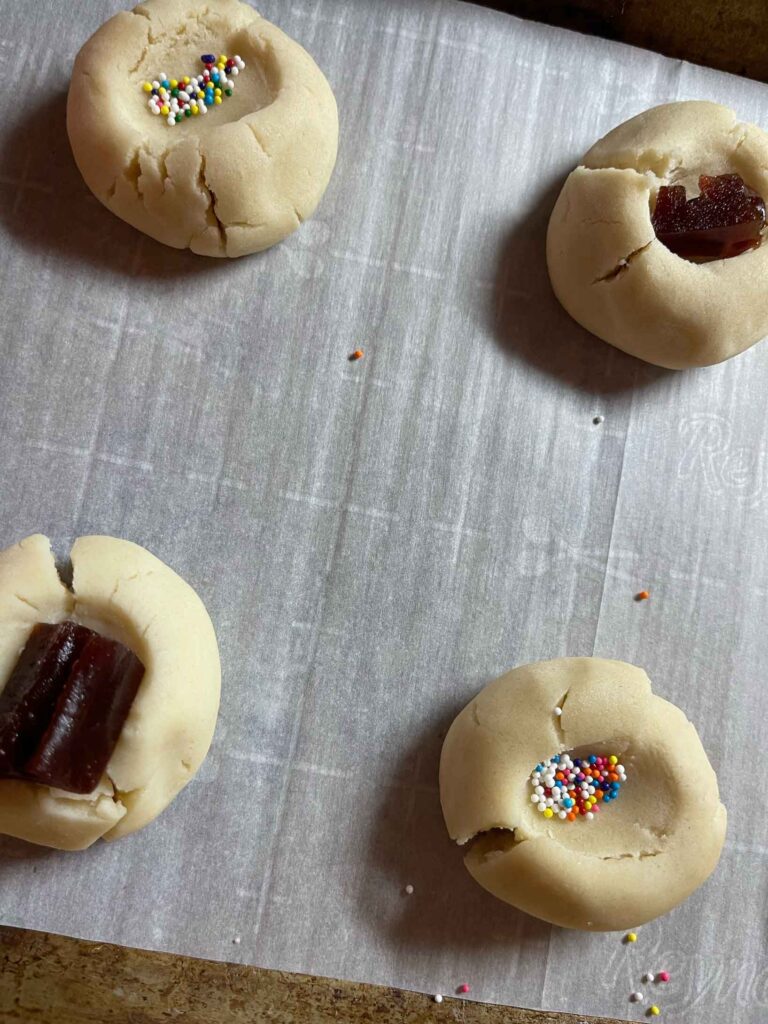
(376,540)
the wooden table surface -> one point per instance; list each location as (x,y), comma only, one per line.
(47,979)
(724,34)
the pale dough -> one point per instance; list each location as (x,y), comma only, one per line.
(642,855)
(233,182)
(123,592)
(618,280)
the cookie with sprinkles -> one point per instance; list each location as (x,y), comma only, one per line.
(530,774)
(234,177)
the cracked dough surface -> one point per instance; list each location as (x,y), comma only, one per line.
(614,276)
(233,182)
(642,855)
(123,592)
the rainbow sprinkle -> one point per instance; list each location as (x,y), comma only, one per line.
(189,96)
(568,788)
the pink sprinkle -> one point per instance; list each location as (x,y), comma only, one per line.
(464,988)
(662,976)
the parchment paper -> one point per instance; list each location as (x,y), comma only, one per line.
(376,540)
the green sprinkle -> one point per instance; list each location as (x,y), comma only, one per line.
(174,92)
(178,118)
(187,112)
(228,92)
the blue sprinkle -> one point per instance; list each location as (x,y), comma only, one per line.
(556,759)
(166,84)
(209,101)
(215,76)
(208,58)
(593,759)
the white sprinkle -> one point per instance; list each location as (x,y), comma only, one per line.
(171,120)
(203,108)
(597,420)
(636,997)
(409,890)
(648,977)
(236,940)
(234,71)
(438,998)
(589,815)
(558,711)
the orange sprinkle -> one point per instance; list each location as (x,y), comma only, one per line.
(357,354)
(571,816)
(643,595)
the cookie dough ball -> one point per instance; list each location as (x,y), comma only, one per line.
(641,856)
(231,182)
(124,593)
(613,275)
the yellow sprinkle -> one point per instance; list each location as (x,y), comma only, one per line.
(217,92)
(147,87)
(174,83)
(185,79)
(654,1011)
(195,109)
(631,937)
(165,110)
(548,813)
(201,95)
(223,57)
(217,100)
(613,759)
